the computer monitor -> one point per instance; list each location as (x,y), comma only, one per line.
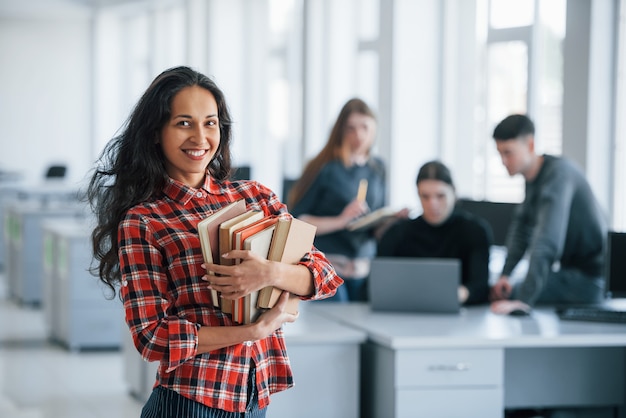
(498,214)
(616,265)
(287,185)
(240,173)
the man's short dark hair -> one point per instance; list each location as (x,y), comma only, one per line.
(512,127)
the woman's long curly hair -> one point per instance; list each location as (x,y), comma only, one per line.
(131,168)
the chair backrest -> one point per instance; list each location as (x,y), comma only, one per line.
(56,171)
(497,214)
(241,173)
(287,185)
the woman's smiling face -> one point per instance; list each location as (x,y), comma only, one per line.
(191,137)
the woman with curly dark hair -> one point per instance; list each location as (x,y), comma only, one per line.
(167,170)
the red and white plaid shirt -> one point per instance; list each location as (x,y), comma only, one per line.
(166,301)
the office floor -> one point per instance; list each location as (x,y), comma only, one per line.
(43,380)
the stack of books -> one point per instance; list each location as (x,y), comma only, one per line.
(282,239)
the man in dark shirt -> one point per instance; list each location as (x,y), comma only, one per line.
(559,225)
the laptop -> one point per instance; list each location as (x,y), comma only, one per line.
(613,309)
(420,285)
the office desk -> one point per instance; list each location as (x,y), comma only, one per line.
(324,356)
(476,364)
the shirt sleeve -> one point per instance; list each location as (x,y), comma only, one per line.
(158,334)
(325,279)
(517,239)
(549,232)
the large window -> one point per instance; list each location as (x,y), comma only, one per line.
(522,74)
(619,186)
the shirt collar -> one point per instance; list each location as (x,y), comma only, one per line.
(213,187)
(179,191)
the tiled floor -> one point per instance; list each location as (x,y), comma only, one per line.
(43,380)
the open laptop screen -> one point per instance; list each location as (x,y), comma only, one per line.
(424,285)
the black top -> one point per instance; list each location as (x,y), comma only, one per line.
(462,236)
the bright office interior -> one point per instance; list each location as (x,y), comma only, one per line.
(440,75)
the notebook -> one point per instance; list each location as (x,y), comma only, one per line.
(421,285)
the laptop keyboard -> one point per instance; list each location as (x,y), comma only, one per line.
(591,313)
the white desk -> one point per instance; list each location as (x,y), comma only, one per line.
(477,364)
(324,356)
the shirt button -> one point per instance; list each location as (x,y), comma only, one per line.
(199,194)
(248,343)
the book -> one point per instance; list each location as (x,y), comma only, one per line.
(208,232)
(238,237)
(372,219)
(245,309)
(228,227)
(292,240)
(240,234)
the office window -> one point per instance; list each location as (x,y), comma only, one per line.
(619,162)
(522,74)
(509,14)
(135,59)
(281,29)
(285,85)
(367,58)
(167,31)
(507,64)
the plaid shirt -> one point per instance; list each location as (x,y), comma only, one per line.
(166,301)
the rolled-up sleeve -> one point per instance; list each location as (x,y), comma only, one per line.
(157,335)
(325,278)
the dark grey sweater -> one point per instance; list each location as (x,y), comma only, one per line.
(559,221)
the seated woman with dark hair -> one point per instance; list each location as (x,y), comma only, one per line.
(443,231)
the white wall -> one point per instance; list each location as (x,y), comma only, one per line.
(45,96)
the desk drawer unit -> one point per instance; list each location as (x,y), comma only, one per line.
(433,383)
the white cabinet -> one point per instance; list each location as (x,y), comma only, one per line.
(433,383)
(78,313)
(23,224)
